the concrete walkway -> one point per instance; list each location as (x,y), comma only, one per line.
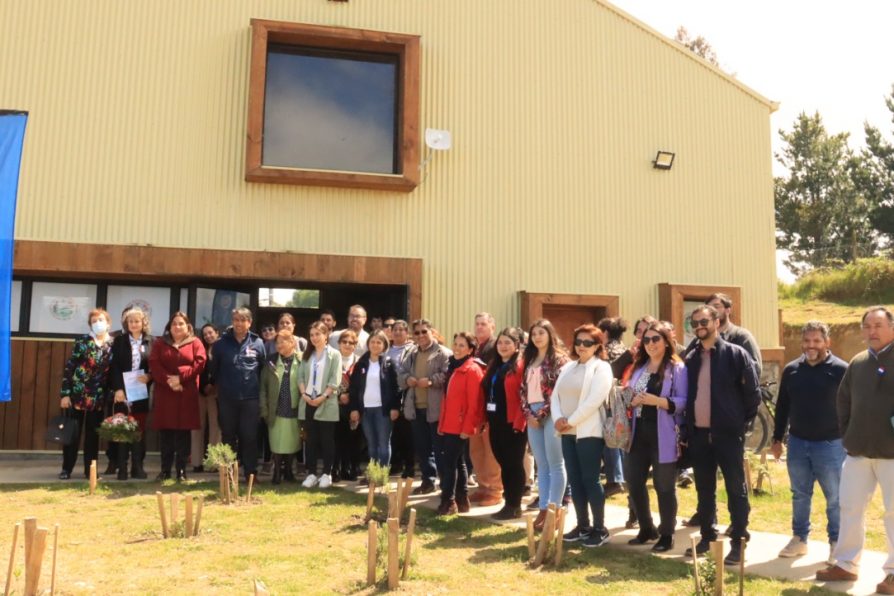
(761,556)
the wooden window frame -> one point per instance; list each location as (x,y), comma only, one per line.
(532,304)
(672,296)
(406,47)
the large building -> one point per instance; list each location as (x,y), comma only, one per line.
(196,155)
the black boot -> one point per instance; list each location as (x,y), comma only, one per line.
(137,453)
(122,452)
(277,469)
(288,474)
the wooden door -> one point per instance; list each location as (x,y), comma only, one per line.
(566,311)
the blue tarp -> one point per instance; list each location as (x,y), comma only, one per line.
(12,135)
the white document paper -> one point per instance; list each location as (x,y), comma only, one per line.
(133,388)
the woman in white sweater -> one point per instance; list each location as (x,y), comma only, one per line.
(581,389)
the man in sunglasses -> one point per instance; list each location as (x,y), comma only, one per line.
(734,334)
(724,395)
(422,375)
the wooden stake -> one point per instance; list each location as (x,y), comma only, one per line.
(408,488)
(251,482)
(695,565)
(222,476)
(12,557)
(371,547)
(717,553)
(742,570)
(92,476)
(411,527)
(392,504)
(195,531)
(532,546)
(175,502)
(35,561)
(260,588)
(187,528)
(228,485)
(236,480)
(161,512)
(393,550)
(560,528)
(370,499)
(748,486)
(30,529)
(545,537)
(55,549)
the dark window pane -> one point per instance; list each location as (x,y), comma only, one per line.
(331,110)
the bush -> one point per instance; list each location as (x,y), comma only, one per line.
(865,282)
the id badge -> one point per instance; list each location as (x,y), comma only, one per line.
(491,407)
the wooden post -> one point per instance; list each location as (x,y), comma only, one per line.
(35,561)
(411,527)
(30,529)
(175,501)
(408,488)
(371,547)
(546,536)
(695,565)
(222,476)
(235,480)
(260,588)
(393,551)
(187,529)
(532,546)
(370,499)
(12,557)
(251,482)
(392,503)
(195,531)
(92,476)
(55,549)
(748,486)
(742,570)
(161,512)
(560,529)
(717,554)
(228,485)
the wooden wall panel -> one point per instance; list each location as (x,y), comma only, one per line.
(26,395)
(42,396)
(11,421)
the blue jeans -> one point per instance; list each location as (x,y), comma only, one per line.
(582,460)
(614,468)
(810,461)
(547,448)
(427,444)
(377,430)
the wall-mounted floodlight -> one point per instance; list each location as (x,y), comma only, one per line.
(435,140)
(664,160)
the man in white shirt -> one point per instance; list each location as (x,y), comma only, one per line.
(356,321)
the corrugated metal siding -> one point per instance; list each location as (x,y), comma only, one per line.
(137,133)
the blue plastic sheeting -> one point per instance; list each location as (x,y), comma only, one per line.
(12,136)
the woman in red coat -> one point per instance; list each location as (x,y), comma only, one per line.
(461,417)
(175,363)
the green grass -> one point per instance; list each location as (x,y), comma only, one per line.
(299,541)
(865,282)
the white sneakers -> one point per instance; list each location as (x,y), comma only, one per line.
(795,548)
(323,481)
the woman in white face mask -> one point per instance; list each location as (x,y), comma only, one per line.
(84,389)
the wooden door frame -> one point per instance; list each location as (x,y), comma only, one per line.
(532,304)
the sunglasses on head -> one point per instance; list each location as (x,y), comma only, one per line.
(696,323)
(587,343)
(647,339)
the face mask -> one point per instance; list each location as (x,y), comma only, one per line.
(99,327)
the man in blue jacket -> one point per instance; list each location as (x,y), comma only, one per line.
(236,363)
(724,395)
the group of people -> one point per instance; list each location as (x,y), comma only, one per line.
(491,400)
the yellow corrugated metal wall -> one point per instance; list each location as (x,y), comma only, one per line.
(137,132)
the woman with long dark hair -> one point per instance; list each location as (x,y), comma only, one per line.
(318,379)
(501,401)
(660,384)
(582,387)
(543,357)
(176,361)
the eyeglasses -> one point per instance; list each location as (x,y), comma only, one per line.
(388,325)
(587,343)
(647,339)
(421,332)
(347,342)
(268,329)
(696,323)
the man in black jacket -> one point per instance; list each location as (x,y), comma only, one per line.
(724,395)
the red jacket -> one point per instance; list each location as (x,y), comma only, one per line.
(461,408)
(512,385)
(176,410)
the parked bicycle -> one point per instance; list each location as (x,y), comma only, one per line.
(759,434)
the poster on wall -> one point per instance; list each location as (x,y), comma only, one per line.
(688,307)
(216,306)
(61,307)
(154,301)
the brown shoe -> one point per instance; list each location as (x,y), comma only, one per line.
(887,585)
(834,573)
(447,507)
(541,519)
(462,503)
(490,501)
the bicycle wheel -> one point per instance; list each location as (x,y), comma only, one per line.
(757,438)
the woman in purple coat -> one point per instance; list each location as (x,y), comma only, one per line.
(659,386)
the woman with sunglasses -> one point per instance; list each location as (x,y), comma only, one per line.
(582,387)
(543,357)
(659,383)
(347,440)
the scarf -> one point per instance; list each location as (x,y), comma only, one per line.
(452,365)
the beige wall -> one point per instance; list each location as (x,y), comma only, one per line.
(137,127)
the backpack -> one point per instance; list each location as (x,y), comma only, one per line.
(616,425)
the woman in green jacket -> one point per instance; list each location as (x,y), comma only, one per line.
(318,379)
(279,404)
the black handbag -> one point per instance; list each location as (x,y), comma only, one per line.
(62,429)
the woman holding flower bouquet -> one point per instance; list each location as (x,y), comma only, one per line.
(175,363)
(84,389)
(130,353)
